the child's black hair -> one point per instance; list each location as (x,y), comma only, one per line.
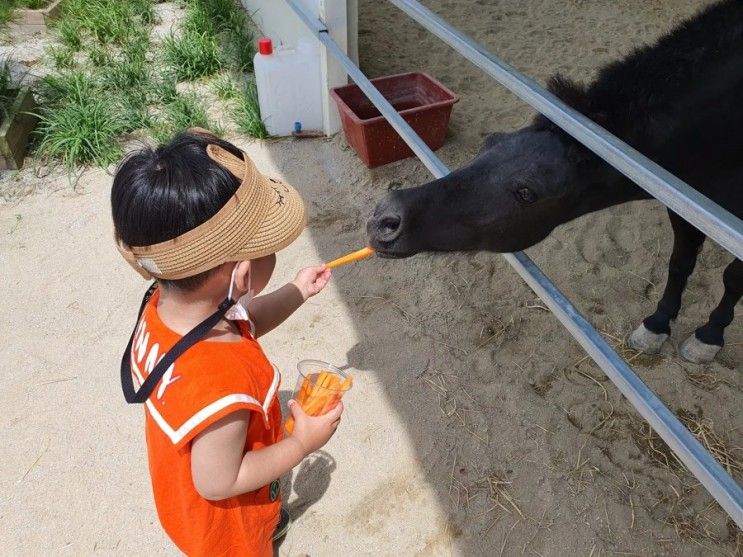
(161,193)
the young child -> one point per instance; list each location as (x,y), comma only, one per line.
(198,216)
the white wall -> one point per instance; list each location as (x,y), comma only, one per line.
(278,21)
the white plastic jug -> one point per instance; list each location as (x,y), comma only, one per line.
(289,86)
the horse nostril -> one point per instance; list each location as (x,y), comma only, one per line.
(388,227)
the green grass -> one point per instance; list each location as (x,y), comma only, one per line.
(32,4)
(105,21)
(241,53)
(165,88)
(240,42)
(192,54)
(120,85)
(62,57)
(82,133)
(216,11)
(69,33)
(7,84)
(244,103)
(86,108)
(6,77)
(144,9)
(56,88)
(225,88)
(6,13)
(79,122)
(129,72)
(198,19)
(228,23)
(184,111)
(105,106)
(100,57)
(247,113)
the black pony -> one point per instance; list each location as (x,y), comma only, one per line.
(679,102)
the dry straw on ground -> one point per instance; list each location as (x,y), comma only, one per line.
(731,458)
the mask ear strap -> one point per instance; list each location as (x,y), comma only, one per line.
(191,338)
(232,279)
(250,279)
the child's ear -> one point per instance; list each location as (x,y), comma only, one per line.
(242,276)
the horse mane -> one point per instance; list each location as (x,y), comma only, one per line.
(633,94)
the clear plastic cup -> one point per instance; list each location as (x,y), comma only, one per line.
(320,386)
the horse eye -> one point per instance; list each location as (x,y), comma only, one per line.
(525,195)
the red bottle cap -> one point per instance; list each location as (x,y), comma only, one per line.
(265,46)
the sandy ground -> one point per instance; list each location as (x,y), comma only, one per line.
(476,425)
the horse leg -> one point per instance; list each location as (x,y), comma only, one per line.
(703,345)
(655,329)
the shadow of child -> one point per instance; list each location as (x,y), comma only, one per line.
(305,485)
(311,481)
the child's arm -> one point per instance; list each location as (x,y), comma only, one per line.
(220,469)
(271,310)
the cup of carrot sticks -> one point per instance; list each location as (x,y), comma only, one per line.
(320,387)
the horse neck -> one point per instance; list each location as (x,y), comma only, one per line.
(602,186)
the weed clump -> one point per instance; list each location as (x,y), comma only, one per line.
(78,124)
(248,114)
(192,55)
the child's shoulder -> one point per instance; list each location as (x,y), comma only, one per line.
(204,366)
(221,364)
(206,384)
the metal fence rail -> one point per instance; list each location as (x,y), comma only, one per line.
(709,472)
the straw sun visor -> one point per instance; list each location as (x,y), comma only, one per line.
(261,218)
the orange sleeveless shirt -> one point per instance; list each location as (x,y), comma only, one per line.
(206,383)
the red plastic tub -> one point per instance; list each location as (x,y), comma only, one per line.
(421,100)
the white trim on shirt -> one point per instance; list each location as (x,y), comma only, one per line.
(177,435)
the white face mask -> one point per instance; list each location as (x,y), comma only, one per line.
(239,312)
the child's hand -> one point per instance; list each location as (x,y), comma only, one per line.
(312,432)
(312,280)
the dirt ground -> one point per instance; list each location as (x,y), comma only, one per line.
(476,425)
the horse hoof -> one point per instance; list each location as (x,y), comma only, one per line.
(647,341)
(695,351)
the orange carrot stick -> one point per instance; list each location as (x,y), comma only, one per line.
(322,379)
(315,406)
(318,394)
(363,253)
(304,391)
